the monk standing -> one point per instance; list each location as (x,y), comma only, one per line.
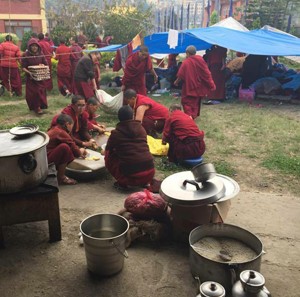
(150,113)
(48,52)
(64,69)
(76,54)
(9,57)
(196,81)
(36,97)
(136,66)
(84,77)
(183,135)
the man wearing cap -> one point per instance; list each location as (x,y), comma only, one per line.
(196,81)
(127,155)
(136,67)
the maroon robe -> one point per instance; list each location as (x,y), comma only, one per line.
(154,117)
(47,51)
(10,75)
(134,73)
(196,83)
(61,148)
(127,155)
(216,61)
(184,137)
(64,72)
(36,97)
(76,54)
(80,132)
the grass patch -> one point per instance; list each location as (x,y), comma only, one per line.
(284,163)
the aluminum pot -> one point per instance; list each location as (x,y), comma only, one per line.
(225,273)
(23,161)
(203,172)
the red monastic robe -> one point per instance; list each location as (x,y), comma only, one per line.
(196,83)
(184,137)
(47,51)
(134,73)
(64,70)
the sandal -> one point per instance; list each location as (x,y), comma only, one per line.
(120,187)
(68,181)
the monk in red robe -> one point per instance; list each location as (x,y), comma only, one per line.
(172,62)
(76,54)
(150,113)
(9,58)
(92,105)
(61,149)
(183,135)
(84,77)
(36,97)
(127,155)
(136,67)
(47,50)
(196,81)
(80,133)
(64,69)
(216,61)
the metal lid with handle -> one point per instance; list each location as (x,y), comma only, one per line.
(211,289)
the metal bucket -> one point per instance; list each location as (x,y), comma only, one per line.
(225,273)
(104,237)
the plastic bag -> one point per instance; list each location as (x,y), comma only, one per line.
(156,147)
(145,205)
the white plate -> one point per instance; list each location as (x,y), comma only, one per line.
(24,130)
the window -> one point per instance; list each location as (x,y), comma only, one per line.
(18,27)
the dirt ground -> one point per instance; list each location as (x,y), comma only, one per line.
(30,266)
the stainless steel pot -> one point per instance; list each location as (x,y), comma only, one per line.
(225,273)
(23,161)
(203,172)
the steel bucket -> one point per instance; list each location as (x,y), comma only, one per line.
(104,237)
(224,273)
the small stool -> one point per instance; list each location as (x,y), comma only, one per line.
(192,162)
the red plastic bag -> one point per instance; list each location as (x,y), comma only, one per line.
(145,204)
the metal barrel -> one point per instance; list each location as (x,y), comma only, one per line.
(104,237)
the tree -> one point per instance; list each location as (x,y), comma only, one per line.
(214,18)
(124,22)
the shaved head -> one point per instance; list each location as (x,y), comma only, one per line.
(191,50)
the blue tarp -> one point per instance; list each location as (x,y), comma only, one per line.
(258,42)
(109,48)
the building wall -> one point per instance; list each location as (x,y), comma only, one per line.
(19,16)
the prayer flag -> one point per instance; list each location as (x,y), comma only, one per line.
(188,16)
(208,13)
(289,24)
(181,17)
(165,21)
(158,21)
(230,8)
(136,41)
(172,18)
(195,15)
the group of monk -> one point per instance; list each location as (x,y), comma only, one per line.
(76,73)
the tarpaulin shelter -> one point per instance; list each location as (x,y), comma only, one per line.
(257,42)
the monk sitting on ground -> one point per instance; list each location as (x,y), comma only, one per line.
(127,155)
(80,133)
(183,135)
(91,107)
(151,113)
(61,149)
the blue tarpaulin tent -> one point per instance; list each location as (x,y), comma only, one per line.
(259,42)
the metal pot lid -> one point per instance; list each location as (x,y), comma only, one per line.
(232,188)
(252,278)
(181,188)
(211,289)
(24,129)
(11,145)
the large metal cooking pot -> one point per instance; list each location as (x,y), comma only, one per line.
(223,272)
(23,161)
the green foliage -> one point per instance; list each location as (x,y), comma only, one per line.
(214,18)
(15,38)
(25,39)
(124,22)
(60,31)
